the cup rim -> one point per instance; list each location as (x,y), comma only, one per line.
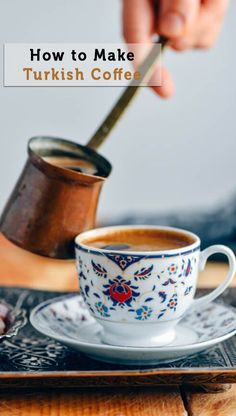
(159,253)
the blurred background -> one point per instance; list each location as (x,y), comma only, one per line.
(167,155)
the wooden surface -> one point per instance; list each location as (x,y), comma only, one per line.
(209,404)
(126,402)
(23,269)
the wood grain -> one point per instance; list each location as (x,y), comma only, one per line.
(211,404)
(126,402)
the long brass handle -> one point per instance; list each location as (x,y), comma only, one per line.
(120,106)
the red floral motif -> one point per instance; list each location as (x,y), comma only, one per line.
(120,291)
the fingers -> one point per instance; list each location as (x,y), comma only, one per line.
(138,21)
(139,27)
(187,24)
(205,28)
(210,23)
(167,87)
(217,6)
(176,17)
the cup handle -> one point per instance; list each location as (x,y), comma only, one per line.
(229,277)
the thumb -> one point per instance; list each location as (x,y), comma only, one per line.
(176,16)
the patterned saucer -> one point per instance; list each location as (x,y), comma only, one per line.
(67,319)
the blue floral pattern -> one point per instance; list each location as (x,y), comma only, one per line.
(99,270)
(123,261)
(102,309)
(171,305)
(188,270)
(173,302)
(172,269)
(110,293)
(143,313)
(144,273)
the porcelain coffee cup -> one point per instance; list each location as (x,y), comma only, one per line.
(139,297)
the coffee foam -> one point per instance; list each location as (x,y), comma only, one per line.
(139,239)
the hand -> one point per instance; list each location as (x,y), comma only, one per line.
(186,23)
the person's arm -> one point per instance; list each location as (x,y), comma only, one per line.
(187,23)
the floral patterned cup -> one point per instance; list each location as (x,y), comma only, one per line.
(139,297)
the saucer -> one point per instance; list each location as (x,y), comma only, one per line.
(67,320)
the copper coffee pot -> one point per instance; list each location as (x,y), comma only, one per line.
(52,202)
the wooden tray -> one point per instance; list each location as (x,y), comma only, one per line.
(30,360)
